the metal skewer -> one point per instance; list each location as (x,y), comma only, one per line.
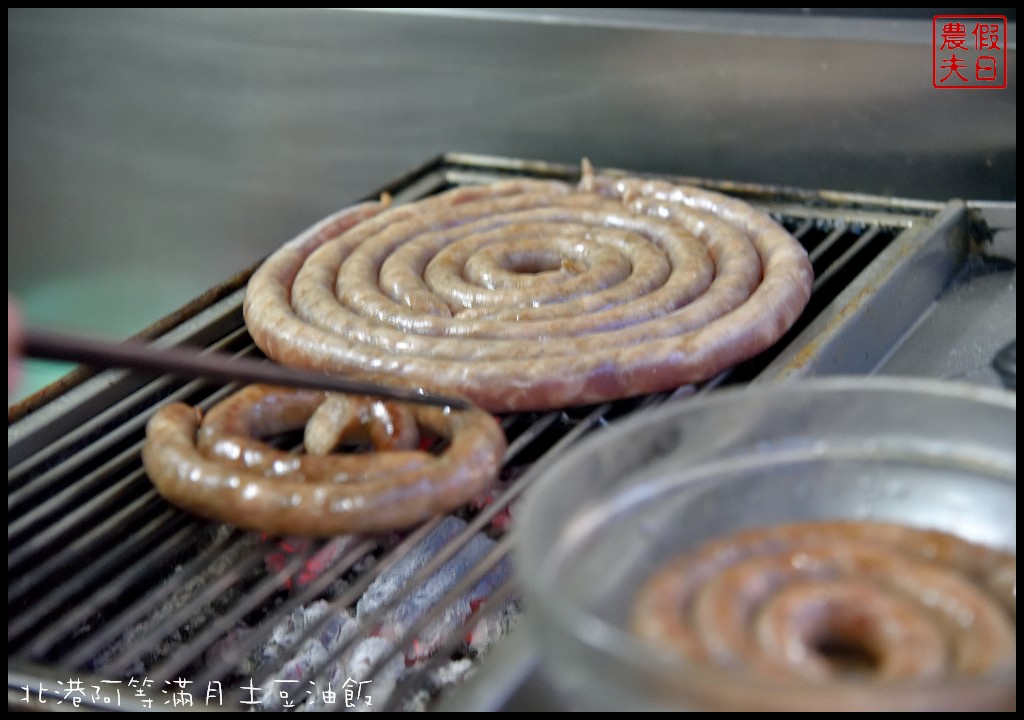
(136,355)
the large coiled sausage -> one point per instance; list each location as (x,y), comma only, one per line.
(528,294)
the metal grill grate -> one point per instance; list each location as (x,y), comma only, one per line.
(110,586)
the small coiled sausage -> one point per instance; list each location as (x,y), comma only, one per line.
(223,470)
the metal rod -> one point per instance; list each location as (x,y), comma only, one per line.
(182,362)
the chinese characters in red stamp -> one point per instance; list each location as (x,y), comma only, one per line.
(969,51)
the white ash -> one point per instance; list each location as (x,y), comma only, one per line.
(436,681)
(310,657)
(312,682)
(238,648)
(493,625)
(355,687)
(342,683)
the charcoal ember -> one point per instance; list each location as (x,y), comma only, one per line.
(282,636)
(397,622)
(293,676)
(392,582)
(502,520)
(318,563)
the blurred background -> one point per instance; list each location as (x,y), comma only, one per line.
(152,154)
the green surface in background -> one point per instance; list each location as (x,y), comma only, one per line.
(113,303)
(37,374)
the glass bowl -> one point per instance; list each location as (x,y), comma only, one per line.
(618,506)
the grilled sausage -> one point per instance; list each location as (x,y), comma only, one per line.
(529,294)
(835,600)
(223,471)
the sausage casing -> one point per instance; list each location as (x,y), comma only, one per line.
(530,294)
(224,471)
